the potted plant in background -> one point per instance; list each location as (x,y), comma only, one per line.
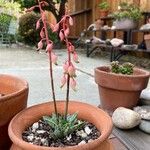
(127,16)
(54,125)
(120,85)
(104,8)
(13,98)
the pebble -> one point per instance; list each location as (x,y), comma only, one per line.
(144,111)
(124,118)
(40,131)
(30,137)
(145,126)
(145,97)
(82,134)
(87,130)
(82,142)
(35,126)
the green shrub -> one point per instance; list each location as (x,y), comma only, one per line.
(27,29)
(27,25)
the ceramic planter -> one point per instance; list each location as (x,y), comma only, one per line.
(103,13)
(117,90)
(125,24)
(15,99)
(85,111)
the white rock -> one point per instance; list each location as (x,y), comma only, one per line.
(30,137)
(145,126)
(69,137)
(40,131)
(35,126)
(82,134)
(82,142)
(124,118)
(87,130)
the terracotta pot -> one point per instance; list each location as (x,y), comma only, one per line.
(15,99)
(118,90)
(103,13)
(85,111)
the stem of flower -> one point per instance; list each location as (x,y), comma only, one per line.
(50,63)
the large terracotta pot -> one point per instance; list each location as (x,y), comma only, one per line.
(15,99)
(117,90)
(85,111)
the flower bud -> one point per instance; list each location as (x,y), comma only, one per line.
(38,24)
(30,9)
(42,34)
(61,35)
(54,58)
(75,57)
(71,71)
(56,28)
(66,32)
(63,81)
(65,67)
(40,45)
(71,48)
(49,47)
(73,84)
(70,21)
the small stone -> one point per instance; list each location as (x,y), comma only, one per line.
(144,111)
(145,97)
(30,137)
(82,134)
(124,118)
(40,131)
(44,142)
(87,130)
(145,126)
(69,137)
(82,142)
(35,126)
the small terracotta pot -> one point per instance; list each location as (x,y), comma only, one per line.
(85,111)
(117,90)
(103,13)
(15,99)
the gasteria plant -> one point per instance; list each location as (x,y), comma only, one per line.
(65,125)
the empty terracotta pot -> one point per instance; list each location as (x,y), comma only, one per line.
(15,91)
(85,111)
(118,90)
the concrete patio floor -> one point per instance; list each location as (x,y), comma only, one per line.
(34,68)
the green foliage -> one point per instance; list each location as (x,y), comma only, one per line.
(128,11)
(63,127)
(104,5)
(126,68)
(27,31)
(4,22)
(26,3)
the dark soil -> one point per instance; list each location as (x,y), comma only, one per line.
(39,134)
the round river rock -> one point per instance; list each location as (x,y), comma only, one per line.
(124,118)
(145,126)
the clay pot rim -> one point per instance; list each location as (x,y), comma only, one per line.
(19,141)
(14,94)
(144,72)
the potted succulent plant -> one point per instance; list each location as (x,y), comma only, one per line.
(127,16)
(60,125)
(13,98)
(104,8)
(120,85)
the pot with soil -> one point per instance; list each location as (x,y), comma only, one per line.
(13,99)
(120,90)
(86,112)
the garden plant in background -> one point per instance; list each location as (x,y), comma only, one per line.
(69,124)
(104,8)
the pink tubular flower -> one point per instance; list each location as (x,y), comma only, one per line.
(30,9)
(42,34)
(63,81)
(75,57)
(65,67)
(49,47)
(43,16)
(61,35)
(40,45)
(54,58)
(66,32)
(70,21)
(71,48)
(38,24)
(73,84)
(71,71)
(56,27)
